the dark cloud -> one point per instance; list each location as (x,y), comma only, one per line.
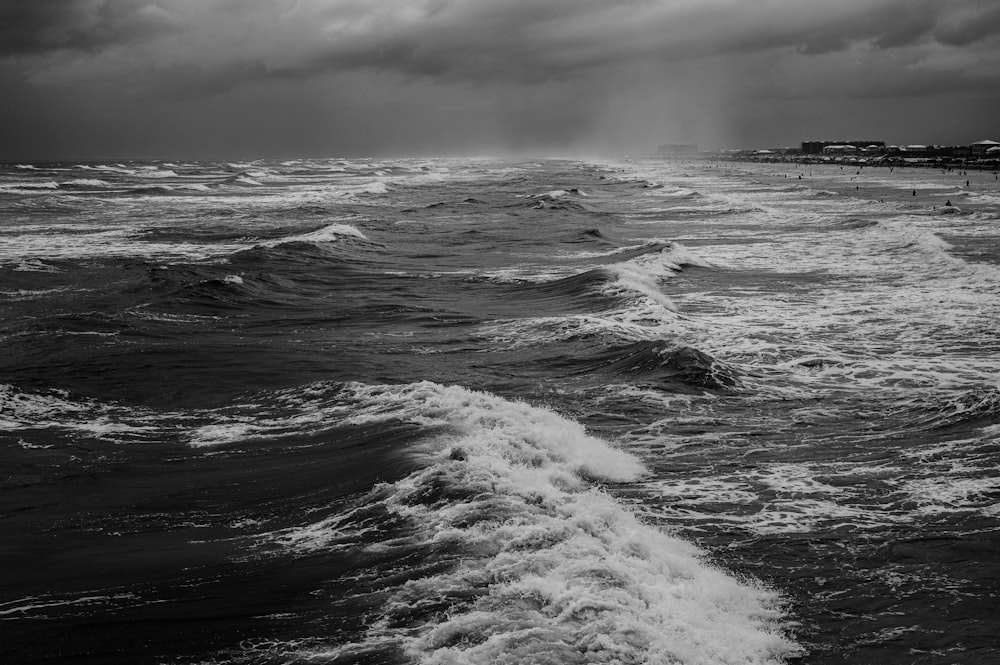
(388,74)
(969,27)
(520,40)
(39,26)
(33,26)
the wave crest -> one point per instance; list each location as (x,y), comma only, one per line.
(543,566)
(663,363)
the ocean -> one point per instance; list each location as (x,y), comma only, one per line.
(465,411)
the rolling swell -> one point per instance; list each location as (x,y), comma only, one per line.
(622,252)
(555,200)
(260,452)
(532,563)
(627,253)
(229,291)
(194,578)
(294,255)
(333,244)
(613,283)
(577,293)
(593,235)
(969,410)
(665,365)
(422,523)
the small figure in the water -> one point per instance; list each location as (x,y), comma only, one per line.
(948,203)
(914,193)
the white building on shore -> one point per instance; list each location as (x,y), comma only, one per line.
(983,147)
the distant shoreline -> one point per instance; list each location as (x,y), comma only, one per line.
(882,161)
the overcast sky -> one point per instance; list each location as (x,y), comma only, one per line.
(276,78)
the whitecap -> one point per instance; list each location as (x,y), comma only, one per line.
(681,193)
(114,169)
(156,173)
(631,278)
(86,182)
(34,265)
(329,233)
(373,188)
(29,185)
(553,564)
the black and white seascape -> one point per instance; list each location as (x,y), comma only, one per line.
(326,336)
(460,411)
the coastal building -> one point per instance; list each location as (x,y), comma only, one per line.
(983,147)
(818,147)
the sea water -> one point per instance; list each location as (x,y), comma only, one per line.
(477,411)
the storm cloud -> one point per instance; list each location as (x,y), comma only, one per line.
(277,77)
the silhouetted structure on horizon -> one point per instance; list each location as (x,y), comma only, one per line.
(817,147)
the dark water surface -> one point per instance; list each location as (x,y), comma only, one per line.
(468,411)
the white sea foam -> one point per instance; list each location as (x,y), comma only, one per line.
(330,233)
(155,173)
(682,193)
(513,424)
(55,410)
(634,279)
(642,275)
(954,492)
(372,188)
(87,182)
(34,265)
(526,333)
(218,434)
(678,256)
(29,186)
(43,242)
(645,313)
(851,322)
(561,567)
(119,423)
(983,198)
(32,294)
(152,189)
(30,604)
(104,167)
